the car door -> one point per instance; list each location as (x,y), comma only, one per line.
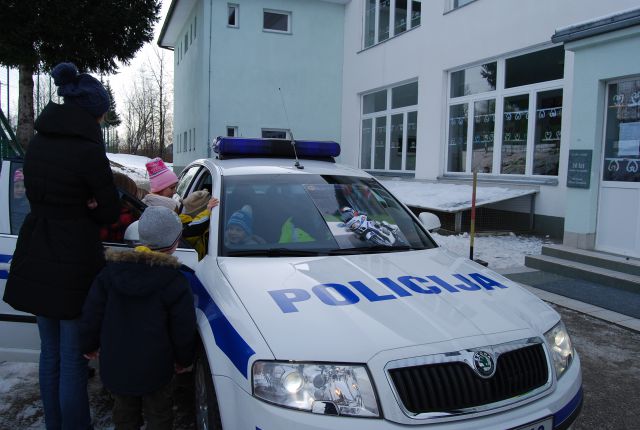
(19,339)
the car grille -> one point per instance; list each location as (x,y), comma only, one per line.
(454,386)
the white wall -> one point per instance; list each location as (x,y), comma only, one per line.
(190,105)
(482,30)
(230,76)
(249,65)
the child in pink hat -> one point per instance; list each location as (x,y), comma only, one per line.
(163,181)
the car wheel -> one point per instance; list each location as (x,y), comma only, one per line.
(207,413)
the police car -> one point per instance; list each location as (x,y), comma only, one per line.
(324,303)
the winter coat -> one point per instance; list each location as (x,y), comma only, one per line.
(58,252)
(195,230)
(115,232)
(140,315)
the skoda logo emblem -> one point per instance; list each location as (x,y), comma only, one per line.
(483,364)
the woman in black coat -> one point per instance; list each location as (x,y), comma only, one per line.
(70,190)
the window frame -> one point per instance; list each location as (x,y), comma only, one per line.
(450,5)
(284,130)
(236,8)
(392,18)
(288,14)
(499,95)
(388,113)
(235,130)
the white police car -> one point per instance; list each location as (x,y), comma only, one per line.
(323,303)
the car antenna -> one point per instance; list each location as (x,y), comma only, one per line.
(293,141)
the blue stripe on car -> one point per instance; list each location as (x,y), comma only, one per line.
(566,411)
(4,274)
(226,337)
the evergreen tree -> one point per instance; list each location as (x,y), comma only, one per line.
(38,34)
(113,118)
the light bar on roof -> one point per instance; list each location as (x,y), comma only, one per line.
(238,146)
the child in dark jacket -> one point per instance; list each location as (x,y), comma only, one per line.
(140,316)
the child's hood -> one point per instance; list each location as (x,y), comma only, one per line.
(141,273)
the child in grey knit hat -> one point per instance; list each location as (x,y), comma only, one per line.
(139,316)
(159,229)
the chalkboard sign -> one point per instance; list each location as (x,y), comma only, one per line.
(579,172)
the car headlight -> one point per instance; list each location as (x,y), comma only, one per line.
(561,348)
(328,389)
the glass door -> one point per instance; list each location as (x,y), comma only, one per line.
(618,228)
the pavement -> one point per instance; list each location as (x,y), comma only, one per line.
(613,305)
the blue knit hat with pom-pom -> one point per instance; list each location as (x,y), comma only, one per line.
(81,89)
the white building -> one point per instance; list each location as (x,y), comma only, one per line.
(429,89)
(254,68)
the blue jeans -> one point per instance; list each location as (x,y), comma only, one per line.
(63,376)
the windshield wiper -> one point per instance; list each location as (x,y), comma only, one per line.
(274,252)
(371,250)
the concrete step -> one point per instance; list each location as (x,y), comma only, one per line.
(594,258)
(584,271)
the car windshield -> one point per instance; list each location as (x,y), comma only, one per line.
(290,215)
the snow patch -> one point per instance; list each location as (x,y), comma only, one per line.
(448,197)
(500,252)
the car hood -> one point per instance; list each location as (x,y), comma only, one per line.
(349,308)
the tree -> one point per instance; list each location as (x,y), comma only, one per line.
(95,35)
(147,110)
(158,69)
(113,118)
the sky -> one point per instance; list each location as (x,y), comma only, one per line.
(120,82)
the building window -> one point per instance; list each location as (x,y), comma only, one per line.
(276,21)
(186,42)
(387,18)
(184,142)
(509,125)
(455,4)
(195,26)
(389,129)
(191,33)
(274,133)
(232,131)
(233,15)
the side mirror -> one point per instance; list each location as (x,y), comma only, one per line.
(430,221)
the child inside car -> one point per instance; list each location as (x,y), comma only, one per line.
(195,218)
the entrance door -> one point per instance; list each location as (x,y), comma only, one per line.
(618,228)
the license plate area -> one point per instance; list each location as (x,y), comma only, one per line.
(545,424)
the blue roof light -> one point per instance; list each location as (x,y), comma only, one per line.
(239,146)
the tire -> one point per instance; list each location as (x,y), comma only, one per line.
(207,413)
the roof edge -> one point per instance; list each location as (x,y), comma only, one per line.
(165,24)
(598,26)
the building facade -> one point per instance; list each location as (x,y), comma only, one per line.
(432,90)
(491,92)
(254,68)
(604,212)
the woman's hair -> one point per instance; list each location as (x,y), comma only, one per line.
(125,183)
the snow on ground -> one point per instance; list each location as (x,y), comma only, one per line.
(448,197)
(132,166)
(20,406)
(500,252)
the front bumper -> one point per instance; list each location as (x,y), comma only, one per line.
(241,411)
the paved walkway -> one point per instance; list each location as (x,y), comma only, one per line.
(546,286)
